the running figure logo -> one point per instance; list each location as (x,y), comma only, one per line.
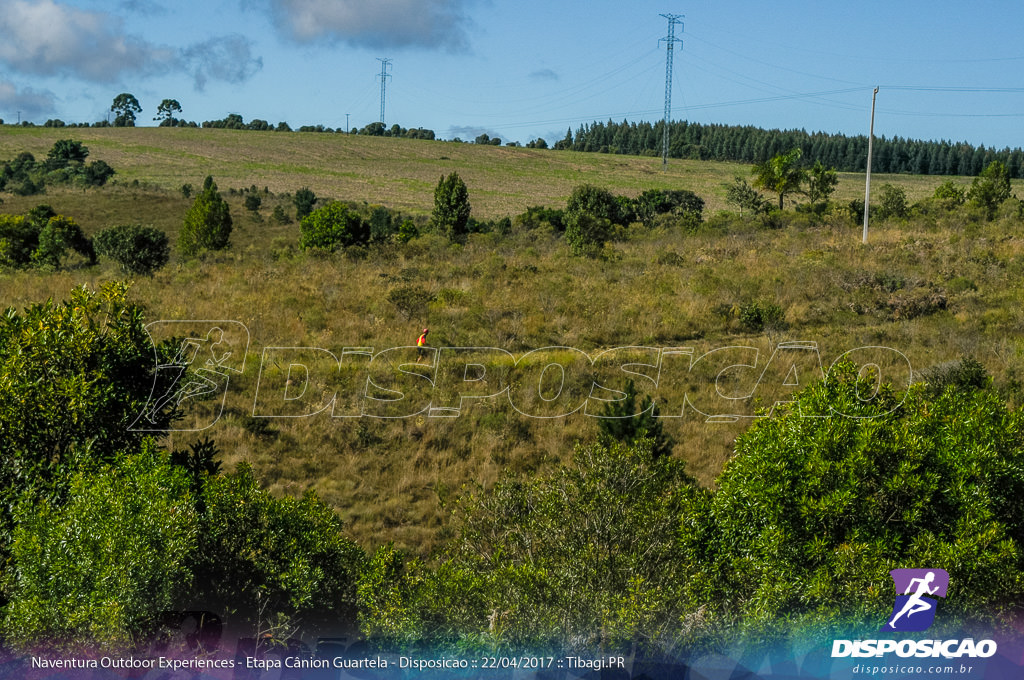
(914,609)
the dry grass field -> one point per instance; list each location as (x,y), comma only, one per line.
(936,288)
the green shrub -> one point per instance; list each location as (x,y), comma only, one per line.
(586,234)
(207,223)
(333,226)
(138,249)
(852,480)
(102,567)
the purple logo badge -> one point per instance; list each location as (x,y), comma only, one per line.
(914,609)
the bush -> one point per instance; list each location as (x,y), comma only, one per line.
(759,316)
(138,249)
(654,202)
(586,234)
(103,566)
(596,202)
(990,188)
(519,575)
(822,500)
(333,226)
(261,557)
(893,202)
(207,223)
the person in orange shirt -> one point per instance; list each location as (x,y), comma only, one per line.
(421,345)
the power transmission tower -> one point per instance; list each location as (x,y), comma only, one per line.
(384,75)
(670,41)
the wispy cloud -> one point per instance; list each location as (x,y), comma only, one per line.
(227,59)
(29,102)
(544,74)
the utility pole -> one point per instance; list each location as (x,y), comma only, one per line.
(384,75)
(347,128)
(867,177)
(670,41)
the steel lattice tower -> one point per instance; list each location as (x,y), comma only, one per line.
(670,41)
(384,75)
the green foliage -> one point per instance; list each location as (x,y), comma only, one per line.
(780,174)
(165,112)
(100,568)
(304,201)
(411,301)
(41,237)
(60,234)
(746,197)
(536,215)
(451,207)
(207,223)
(623,422)
(280,216)
(951,194)
(965,375)
(65,152)
(138,249)
(596,202)
(680,202)
(259,555)
(820,502)
(756,317)
(333,226)
(990,188)
(519,575)
(125,105)
(586,234)
(253,202)
(893,202)
(821,182)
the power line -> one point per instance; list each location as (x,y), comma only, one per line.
(670,41)
(384,75)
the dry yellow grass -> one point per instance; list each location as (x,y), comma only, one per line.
(520,292)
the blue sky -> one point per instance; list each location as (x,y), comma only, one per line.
(525,69)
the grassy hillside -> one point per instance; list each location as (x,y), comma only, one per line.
(936,288)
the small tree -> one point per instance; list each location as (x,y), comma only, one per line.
(125,106)
(623,422)
(780,174)
(586,234)
(990,188)
(138,249)
(746,197)
(304,201)
(594,201)
(64,152)
(893,203)
(821,182)
(451,207)
(207,223)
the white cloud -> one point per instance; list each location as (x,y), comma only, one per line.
(45,38)
(429,24)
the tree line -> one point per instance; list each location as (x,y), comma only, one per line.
(749,144)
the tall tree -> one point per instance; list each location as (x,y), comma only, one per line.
(451,207)
(125,106)
(165,112)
